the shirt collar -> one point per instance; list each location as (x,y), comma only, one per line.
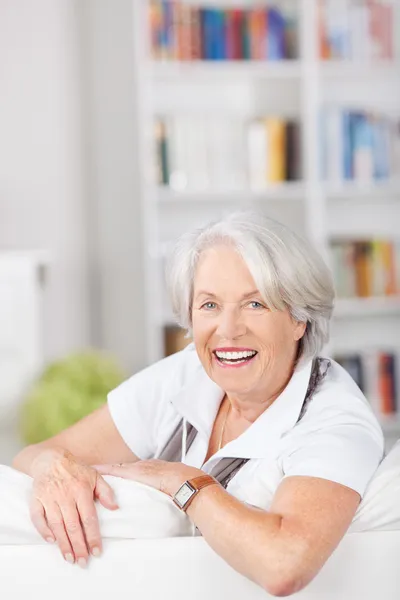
(199,400)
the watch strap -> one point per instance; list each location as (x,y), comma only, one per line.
(196,484)
(202,481)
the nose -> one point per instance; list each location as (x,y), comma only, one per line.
(230,323)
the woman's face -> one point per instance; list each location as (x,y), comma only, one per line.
(243,346)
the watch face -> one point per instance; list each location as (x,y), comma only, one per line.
(183,494)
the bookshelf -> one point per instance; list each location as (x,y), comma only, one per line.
(300,88)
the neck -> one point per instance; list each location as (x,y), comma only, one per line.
(250,405)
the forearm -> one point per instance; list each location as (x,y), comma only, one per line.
(24,460)
(251,540)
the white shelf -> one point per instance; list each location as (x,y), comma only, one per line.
(362,70)
(281,192)
(320,210)
(243,69)
(389,189)
(367,307)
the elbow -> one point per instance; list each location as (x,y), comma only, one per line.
(282,587)
(287,581)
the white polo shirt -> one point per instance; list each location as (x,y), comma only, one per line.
(338,438)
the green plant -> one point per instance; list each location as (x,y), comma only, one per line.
(67,390)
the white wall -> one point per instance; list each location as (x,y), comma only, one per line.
(115,230)
(41,174)
(67,167)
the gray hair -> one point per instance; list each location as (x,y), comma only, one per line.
(288,271)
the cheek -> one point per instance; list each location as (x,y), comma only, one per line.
(275,331)
(200,329)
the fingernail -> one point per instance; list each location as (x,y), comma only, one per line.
(96,551)
(82,562)
(69,558)
(50,540)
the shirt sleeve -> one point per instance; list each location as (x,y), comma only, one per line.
(347,453)
(137,404)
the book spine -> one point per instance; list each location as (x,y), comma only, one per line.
(347,124)
(324,50)
(167,46)
(363,160)
(292,151)
(238,26)
(220,35)
(389,267)
(245,36)
(276,35)
(206,28)
(386,385)
(154,21)
(162,153)
(363,269)
(257,152)
(291,29)
(230,49)
(378,272)
(277,142)
(196,52)
(397,264)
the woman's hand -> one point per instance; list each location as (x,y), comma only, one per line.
(62,505)
(159,474)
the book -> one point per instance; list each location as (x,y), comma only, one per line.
(357,30)
(293,151)
(182,31)
(197,153)
(358,145)
(365,268)
(375,373)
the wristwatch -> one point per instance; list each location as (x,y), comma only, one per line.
(190,489)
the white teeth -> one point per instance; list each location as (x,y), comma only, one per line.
(235,355)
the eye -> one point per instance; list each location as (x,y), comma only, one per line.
(209,305)
(256,305)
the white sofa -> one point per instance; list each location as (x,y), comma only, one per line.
(365,566)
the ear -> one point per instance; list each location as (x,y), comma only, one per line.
(299,330)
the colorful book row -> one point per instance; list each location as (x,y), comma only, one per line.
(352,30)
(376,375)
(366,268)
(359,146)
(184,32)
(214,153)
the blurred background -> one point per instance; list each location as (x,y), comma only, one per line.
(125,122)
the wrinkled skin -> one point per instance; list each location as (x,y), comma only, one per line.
(62,505)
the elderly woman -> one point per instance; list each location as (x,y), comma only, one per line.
(268,446)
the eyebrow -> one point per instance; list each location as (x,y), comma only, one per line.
(211,295)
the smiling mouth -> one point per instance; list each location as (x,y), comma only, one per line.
(234,358)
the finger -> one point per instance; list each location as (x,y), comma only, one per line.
(38,518)
(90,523)
(74,530)
(105,494)
(55,522)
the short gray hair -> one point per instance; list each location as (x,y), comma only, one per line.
(288,271)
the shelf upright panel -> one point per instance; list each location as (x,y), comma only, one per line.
(146,186)
(314,201)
